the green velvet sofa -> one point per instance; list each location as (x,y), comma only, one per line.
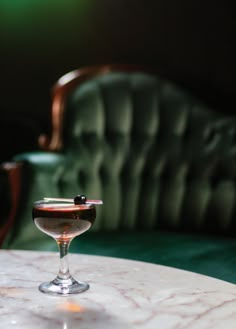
(162,162)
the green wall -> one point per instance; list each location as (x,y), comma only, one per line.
(188,41)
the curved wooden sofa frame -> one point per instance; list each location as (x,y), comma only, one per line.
(14,175)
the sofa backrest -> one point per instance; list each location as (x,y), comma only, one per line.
(155,155)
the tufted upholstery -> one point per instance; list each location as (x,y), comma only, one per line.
(156,156)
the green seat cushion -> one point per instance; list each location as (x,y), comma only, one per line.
(205,254)
(208,255)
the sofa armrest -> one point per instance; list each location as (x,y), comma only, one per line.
(24,186)
(10,196)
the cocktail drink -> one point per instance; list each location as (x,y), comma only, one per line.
(64,219)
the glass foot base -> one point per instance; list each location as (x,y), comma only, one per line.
(63,287)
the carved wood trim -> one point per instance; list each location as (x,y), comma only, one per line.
(14,173)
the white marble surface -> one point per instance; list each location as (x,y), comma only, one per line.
(122,294)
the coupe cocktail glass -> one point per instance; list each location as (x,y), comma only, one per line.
(64,219)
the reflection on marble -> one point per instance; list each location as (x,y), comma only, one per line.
(122,294)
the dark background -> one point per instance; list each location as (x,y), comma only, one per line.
(189,42)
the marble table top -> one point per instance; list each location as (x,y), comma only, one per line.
(122,294)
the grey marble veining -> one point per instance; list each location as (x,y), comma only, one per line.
(122,294)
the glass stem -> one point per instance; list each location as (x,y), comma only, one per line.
(64,272)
